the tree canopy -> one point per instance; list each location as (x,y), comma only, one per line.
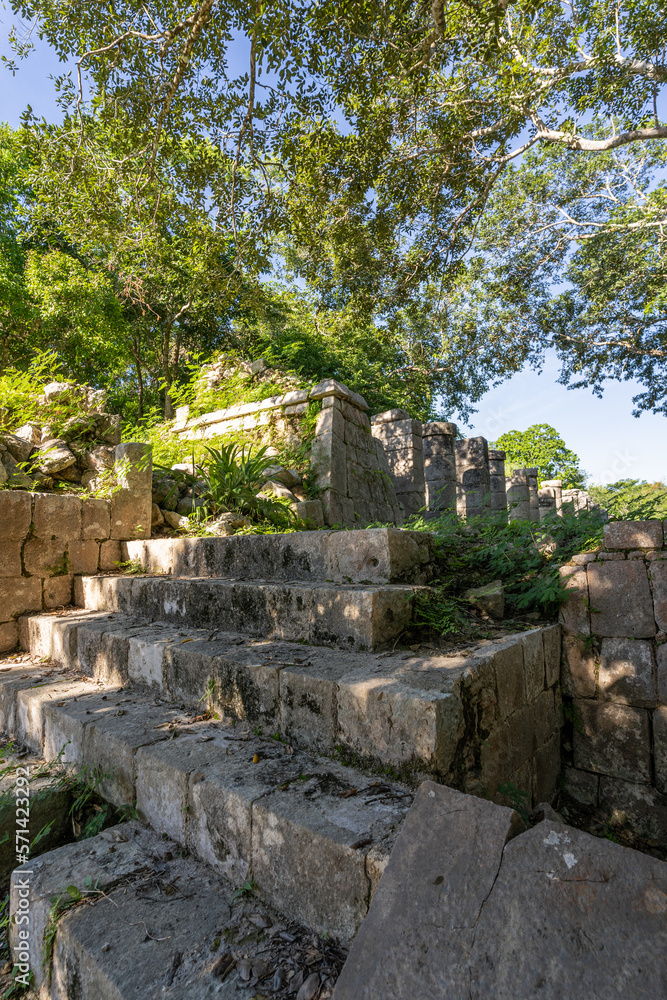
(542,447)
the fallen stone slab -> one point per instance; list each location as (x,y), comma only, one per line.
(471,907)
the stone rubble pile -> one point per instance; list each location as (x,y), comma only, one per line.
(37,456)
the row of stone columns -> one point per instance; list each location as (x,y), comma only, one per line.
(432,468)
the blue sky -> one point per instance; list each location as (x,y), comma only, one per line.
(610,442)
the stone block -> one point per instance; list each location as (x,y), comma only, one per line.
(633,535)
(428,903)
(8,636)
(134,465)
(406,433)
(661,658)
(439,460)
(658,573)
(510,681)
(439,427)
(83,557)
(533,663)
(131,514)
(388,416)
(627,672)
(636,807)
(331,387)
(547,769)
(507,748)
(19,595)
(440,496)
(328,457)
(568,887)
(308,704)
(57,516)
(552,641)
(389,718)
(620,599)
(579,667)
(15,514)
(110,555)
(354,415)
(10,563)
(332,508)
(311,512)
(612,739)
(660,744)
(95,519)
(58,591)
(45,558)
(583,786)
(330,421)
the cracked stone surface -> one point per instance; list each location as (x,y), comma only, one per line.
(471,907)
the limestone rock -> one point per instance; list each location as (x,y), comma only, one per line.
(490,599)
(157,517)
(99,458)
(311,512)
(286,477)
(174,520)
(54,455)
(19,448)
(56,390)
(227,523)
(278,490)
(189,504)
(3,474)
(29,432)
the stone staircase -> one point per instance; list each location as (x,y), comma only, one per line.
(217,693)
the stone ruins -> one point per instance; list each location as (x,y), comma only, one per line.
(290,781)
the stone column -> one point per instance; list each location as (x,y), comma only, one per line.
(530,475)
(473,486)
(401,438)
(497,481)
(349,463)
(131,504)
(518,497)
(439,467)
(550,497)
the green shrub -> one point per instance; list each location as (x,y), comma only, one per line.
(524,555)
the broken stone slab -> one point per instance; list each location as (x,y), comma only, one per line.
(592,917)
(468,908)
(18,446)
(420,929)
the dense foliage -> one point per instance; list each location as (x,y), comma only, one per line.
(524,556)
(632,499)
(541,447)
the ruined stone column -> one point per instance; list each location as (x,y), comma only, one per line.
(550,497)
(518,497)
(530,475)
(497,481)
(131,504)
(439,467)
(473,486)
(401,438)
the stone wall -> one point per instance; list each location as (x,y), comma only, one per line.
(350,464)
(46,538)
(614,672)
(278,413)
(401,438)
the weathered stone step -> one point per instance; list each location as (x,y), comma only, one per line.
(151,924)
(312,834)
(477,719)
(352,616)
(375,555)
